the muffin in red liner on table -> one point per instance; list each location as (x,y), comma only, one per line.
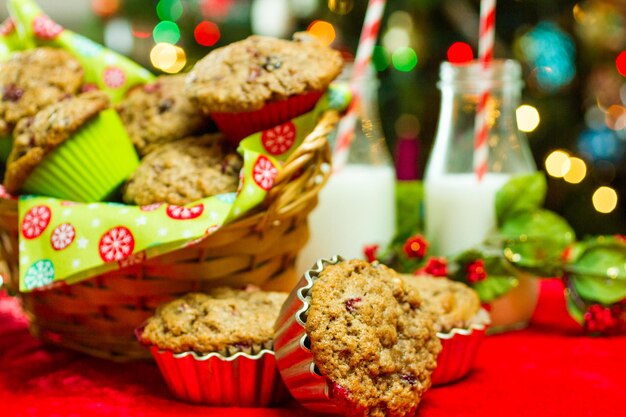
(216,348)
(460,321)
(261,82)
(352,339)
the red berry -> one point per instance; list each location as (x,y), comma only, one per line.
(351,304)
(476,271)
(436,267)
(370,252)
(415,247)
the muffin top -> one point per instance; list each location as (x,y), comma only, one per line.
(244,75)
(453,304)
(34,79)
(160,112)
(372,338)
(35,137)
(220,321)
(184,171)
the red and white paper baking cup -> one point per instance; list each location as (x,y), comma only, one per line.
(237,126)
(240,380)
(293,353)
(458,352)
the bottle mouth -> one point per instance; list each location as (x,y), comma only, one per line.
(474,75)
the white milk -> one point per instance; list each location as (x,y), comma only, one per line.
(460,211)
(356,208)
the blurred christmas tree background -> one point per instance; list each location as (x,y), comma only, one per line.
(573,53)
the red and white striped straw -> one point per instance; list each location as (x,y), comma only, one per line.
(365,49)
(485,53)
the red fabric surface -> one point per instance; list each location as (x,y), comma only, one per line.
(550,369)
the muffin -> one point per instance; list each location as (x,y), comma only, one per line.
(352,339)
(460,322)
(34,79)
(76,149)
(261,82)
(184,171)
(30,81)
(216,348)
(160,112)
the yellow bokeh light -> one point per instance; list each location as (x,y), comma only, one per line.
(527,118)
(168,58)
(604,199)
(323,31)
(557,164)
(576,172)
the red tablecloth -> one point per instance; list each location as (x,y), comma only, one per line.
(550,369)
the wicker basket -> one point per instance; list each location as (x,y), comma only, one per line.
(98,316)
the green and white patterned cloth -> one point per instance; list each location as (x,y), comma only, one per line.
(66,242)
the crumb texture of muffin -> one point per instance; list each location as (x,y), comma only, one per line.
(34,79)
(37,136)
(372,338)
(184,171)
(245,75)
(215,322)
(453,304)
(160,112)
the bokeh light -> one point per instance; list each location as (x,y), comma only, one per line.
(404,59)
(168,58)
(380,58)
(323,31)
(601,144)
(604,199)
(169,9)
(577,171)
(341,6)
(166,32)
(551,53)
(396,38)
(620,62)
(118,36)
(527,118)
(615,117)
(207,33)
(460,53)
(105,8)
(557,164)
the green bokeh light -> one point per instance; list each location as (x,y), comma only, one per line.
(169,9)
(380,58)
(404,59)
(167,32)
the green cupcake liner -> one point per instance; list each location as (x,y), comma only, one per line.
(90,165)
(6,144)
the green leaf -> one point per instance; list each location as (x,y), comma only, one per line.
(601,290)
(522,192)
(534,241)
(576,313)
(409,213)
(494,286)
(598,271)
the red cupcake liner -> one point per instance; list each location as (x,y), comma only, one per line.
(458,352)
(293,354)
(236,126)
(240,380)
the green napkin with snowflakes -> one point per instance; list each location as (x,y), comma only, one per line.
(29,27)
(66,242)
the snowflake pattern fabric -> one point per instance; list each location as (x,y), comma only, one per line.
(64,241)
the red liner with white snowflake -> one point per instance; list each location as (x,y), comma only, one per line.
(239,380)
(236,126)
(458,352)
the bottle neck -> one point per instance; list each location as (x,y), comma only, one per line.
(453,151)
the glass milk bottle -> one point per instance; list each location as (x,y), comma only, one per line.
(460,209)
(357,205)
